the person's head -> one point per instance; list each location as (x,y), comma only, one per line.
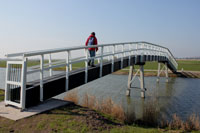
(93,33)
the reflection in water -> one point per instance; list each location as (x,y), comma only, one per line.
(179,95)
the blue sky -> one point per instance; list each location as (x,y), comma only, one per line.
(27,25)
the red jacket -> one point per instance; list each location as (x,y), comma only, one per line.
(95,43)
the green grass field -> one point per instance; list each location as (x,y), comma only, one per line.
(187,65)
(1,95)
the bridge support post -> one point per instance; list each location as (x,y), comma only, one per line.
(142,81)
(158,74)
(130,76)
(160,71)
(166,72)
(131,79)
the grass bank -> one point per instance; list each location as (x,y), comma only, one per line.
(73,118)
(151,116)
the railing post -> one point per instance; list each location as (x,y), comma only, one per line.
(50,70)
(142,53)
(122,58)
(41,76)
(23,84)
(67,72)
(116,49)
(113,58)
(136,52)
(69,59)
(108,58)
(129,57)
(101,62)
(86,65)
(7,87)
(98,60)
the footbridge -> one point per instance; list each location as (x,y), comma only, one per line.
(47,83)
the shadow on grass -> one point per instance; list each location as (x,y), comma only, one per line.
(82,113)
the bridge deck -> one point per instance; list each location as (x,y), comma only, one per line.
(55,84)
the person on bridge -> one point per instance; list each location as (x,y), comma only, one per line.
(92,40)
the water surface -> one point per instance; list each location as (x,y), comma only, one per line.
(179,96)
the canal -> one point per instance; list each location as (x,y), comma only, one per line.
(179,96)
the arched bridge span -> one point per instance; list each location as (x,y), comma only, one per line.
(111,57)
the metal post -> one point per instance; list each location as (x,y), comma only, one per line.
(69,59)
(129,57)
(116,49)
(86,65)
(50,70)
(23,84)
(142,81)
(136,53)
(7,87)
(128,91)
(67,73)
(98,59)
(41,76)
(142,53)
(158,74)
(166,72)
(108,58)
(159,54)
(101,63)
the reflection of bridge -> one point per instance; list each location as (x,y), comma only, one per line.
(111,57)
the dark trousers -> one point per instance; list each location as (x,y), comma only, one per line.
(92,54)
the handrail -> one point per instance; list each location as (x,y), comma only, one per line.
(56,50)
(51,51)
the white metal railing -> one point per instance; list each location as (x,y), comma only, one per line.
(109,51)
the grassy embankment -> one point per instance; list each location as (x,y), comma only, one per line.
(70,118)
(74,118)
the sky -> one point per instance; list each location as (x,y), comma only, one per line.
(27,25)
